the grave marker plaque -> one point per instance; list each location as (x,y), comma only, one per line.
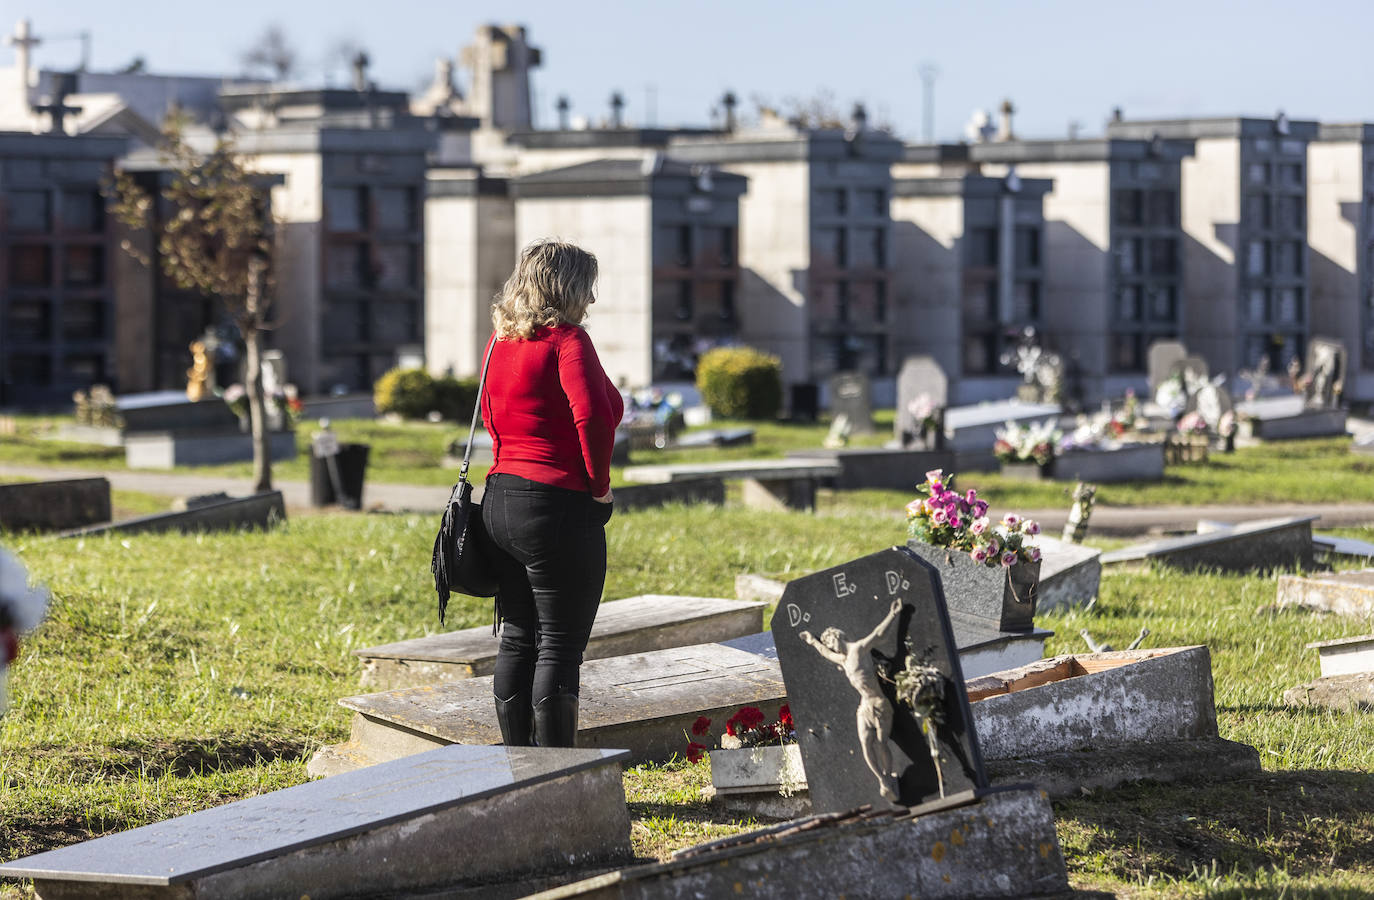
(850,641)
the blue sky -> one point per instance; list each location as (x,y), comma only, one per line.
(1060,61)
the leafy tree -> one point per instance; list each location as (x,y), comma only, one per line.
(272,52)
(216,238)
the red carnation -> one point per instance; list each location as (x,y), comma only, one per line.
(785,718)
(744,720)
(701,726)
(696,752)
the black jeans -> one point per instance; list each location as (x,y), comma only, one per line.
(549,546)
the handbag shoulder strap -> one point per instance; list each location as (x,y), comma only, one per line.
(476,411)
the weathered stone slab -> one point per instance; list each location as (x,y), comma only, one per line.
(632,625)
(1131,462)
(1264,544)
(1070,574)
(1329,546)
(716,437)
(1344,593)
(164,410)
(878,467)
(776,484)
(644,702)
(847,637)
(974,428)
(166,449)
(256,511)
(756,587)
(646,496)
(1087,701)
(1340,692)
(54,505)
(991,843)
(1287,418)
(1345,656)
(454,817)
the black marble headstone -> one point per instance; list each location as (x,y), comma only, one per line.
(860,745)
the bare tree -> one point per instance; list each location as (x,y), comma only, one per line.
(216,237)
(272,52)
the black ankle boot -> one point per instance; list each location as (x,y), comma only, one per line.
(555,721)
(516,720)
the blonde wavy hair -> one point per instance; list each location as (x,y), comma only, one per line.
(552,284)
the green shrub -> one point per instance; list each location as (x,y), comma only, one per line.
(410,393)
(454,397)
(740,383)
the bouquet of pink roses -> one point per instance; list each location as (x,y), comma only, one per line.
(943,517)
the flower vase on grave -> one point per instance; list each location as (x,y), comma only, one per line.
(1000,597)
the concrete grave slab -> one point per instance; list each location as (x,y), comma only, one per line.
(1129,462)
(847,637)
(974,428)
(632,625)
(54,505)
(1343,693)
(1344,593)
(645,496)
(1328,546)
(644,702)
(992,843)
(166,449)
(776,484)
(453,817)
(1264,544)
(758,588)
(1287,418)
(878,467)
(716,437)
(1070,574)
(1345,656)
(256,511)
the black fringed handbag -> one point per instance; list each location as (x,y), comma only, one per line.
(459,565)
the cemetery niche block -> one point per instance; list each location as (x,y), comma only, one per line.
(852,641)
(632,625)
(54,505)
(1264,544)
(457,817)
(644,702)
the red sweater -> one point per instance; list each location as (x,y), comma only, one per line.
(551,411)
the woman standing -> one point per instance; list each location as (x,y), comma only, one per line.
(551,413)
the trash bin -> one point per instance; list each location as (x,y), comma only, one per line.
(339,478)
(806,402)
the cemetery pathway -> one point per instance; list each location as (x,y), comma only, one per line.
(1114,521)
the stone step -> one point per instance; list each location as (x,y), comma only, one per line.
(633,625)
(453,818)
(643,702)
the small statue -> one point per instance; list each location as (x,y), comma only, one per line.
(1077,525)
(198,376)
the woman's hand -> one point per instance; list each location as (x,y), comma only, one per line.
(604,498)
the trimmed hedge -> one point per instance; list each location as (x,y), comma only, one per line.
(407,392)
(740,383)
(454,397)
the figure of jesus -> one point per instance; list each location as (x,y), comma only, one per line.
(874,717)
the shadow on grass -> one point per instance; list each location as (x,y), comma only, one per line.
(177,759)
(1299,822)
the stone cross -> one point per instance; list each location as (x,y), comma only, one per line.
(617,110)
(23,40)
(360,64)
(56,109)
(562,106)
(729,102)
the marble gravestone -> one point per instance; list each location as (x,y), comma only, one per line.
(1211,402)
(921,384)
(1162,357)
(1326,365)
(848,639)
(851,396)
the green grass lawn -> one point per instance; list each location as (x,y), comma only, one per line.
(176,673)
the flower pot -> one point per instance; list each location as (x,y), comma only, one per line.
(768,782)
(996,597)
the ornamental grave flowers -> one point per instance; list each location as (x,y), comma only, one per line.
(1026,444)
(943,517)
(746,728)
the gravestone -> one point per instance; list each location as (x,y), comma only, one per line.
(851,397)
(54,505)
(457,817)
(1345,656)
(644,702)
(970,429)
(1162,357)
(922,395)
(1070,575)
(853,639)
(1264,544)
(632,625)
(1326,367)
(1343,593)
(1211,402)
(255,511)
(1347,676)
